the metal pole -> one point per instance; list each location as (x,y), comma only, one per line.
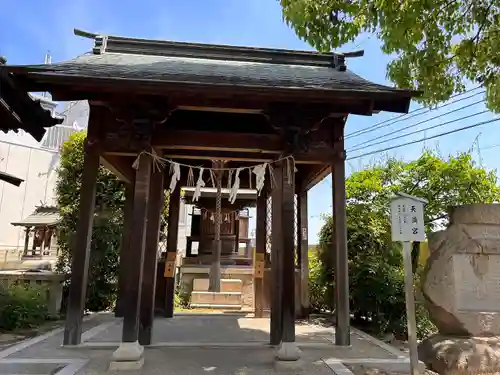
(410,307)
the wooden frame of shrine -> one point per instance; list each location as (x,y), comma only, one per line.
(193,104)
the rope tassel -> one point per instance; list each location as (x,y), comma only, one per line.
(260,176)
(190,179)
(199,184)
(236,186)
(175,169)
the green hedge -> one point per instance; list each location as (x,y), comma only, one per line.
(22,306)
(376,276)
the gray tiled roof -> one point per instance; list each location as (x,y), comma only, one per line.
(41,217)
(177,69)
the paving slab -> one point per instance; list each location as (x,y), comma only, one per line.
(241,348)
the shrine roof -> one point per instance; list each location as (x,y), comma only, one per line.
(21,111)
(42,216)
(167,62)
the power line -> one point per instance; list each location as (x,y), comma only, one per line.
(490,147)
(413,113)
(425,138)
(416,131)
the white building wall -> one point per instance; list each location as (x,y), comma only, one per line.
(36,163)
(37,168)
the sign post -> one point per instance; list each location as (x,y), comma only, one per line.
(407,225)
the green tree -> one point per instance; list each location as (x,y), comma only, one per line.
(443,183)
(437,45)
(375,262)
(107,227)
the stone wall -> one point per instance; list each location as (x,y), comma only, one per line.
(461,280)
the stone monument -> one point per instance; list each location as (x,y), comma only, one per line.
(461,289)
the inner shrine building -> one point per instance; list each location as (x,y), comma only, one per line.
(198,104)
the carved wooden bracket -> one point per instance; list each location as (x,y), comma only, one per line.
(297,125)
(133,127)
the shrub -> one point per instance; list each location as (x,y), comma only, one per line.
(22,306)
(107,225)
(181,298)
(376,275)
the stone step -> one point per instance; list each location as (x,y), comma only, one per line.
(226,285)
(213,306)
(221,298)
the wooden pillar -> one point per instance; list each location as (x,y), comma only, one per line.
(277,257)
(288,253)
(237,234)
(130,333)
(26,241)
(172,235)
(303,244)
(155,210)
(81,249)
(339,243)
(127,259)
(260,250)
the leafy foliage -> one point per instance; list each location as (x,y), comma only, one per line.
(437,45)
(22,306)
(375,262)
(107,227)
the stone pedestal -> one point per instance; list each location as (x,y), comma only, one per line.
(461,289)
(461,281)
(288,357)
(128,356)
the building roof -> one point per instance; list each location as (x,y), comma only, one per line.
(192,64)
(43,216)
(10,179)
(21,111)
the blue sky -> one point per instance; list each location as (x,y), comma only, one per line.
(29,28)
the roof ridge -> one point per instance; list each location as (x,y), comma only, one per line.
(118,44)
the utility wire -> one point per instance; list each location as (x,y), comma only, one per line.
(425,138)
(418,123)
(490,147)
(413,113)
(416,131)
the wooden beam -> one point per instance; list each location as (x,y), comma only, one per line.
(118,167)
(317,174)
(130,332)
(207,140)
(277,259)
(81,250)
(155,210)
(127,259)
(303,243)
(288,255)
(311,157)
(339,243)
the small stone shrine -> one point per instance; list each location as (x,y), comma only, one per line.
(461,288)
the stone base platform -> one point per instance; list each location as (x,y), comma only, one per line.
(468,355)
(196,345)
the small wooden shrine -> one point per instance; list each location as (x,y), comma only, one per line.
(40,232)
(236,261)
(234,226)
(164,113)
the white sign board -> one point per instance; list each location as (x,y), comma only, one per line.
(407,219)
